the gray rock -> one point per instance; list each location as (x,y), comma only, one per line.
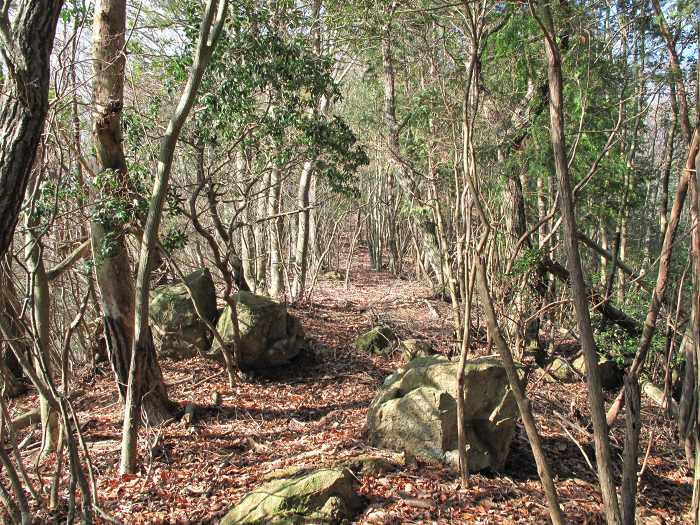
(270,337)
(320,496)
(416,411)
(177,329)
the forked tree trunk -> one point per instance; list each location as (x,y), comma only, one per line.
(112,264)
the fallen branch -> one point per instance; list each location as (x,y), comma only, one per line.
(606,309)
(27,419)
(583,452)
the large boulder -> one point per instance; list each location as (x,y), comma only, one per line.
(320,496)
(270,337)
(416,412)
(178,330)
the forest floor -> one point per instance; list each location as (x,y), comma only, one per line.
(314,413)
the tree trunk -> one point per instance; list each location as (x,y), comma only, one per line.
(522,402)
(274,234)
(10,309)
(578,286)
(401,167)
(40,302)
(695,322)
(112,264)
(247,239)
(23,102)
(629,459)
(302,239)
(143,352)
(259,227)
(665,177)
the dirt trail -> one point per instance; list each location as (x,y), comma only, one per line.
(314,413)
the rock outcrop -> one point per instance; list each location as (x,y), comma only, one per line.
(320,496)
(269,336)
(178,330)
(416,412)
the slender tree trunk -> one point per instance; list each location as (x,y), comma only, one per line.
(523,403)
(143,353)
(401,166)
(275,232)
(247,240)
(695,325)
(665,177)
(629,459)
(39,285)
(302,237)
(259,231)
(578,286)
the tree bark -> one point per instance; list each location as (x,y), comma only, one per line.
(112,264)
(577,284)
(40,309)
(26,48)
(302,239)
(629,459)
(695,323)
(274,233)
(142,353)
(523,403)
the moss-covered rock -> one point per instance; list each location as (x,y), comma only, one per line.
(270,337)
(416,411)
(177,329)
(378,340)
(561,370)
(324,496)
